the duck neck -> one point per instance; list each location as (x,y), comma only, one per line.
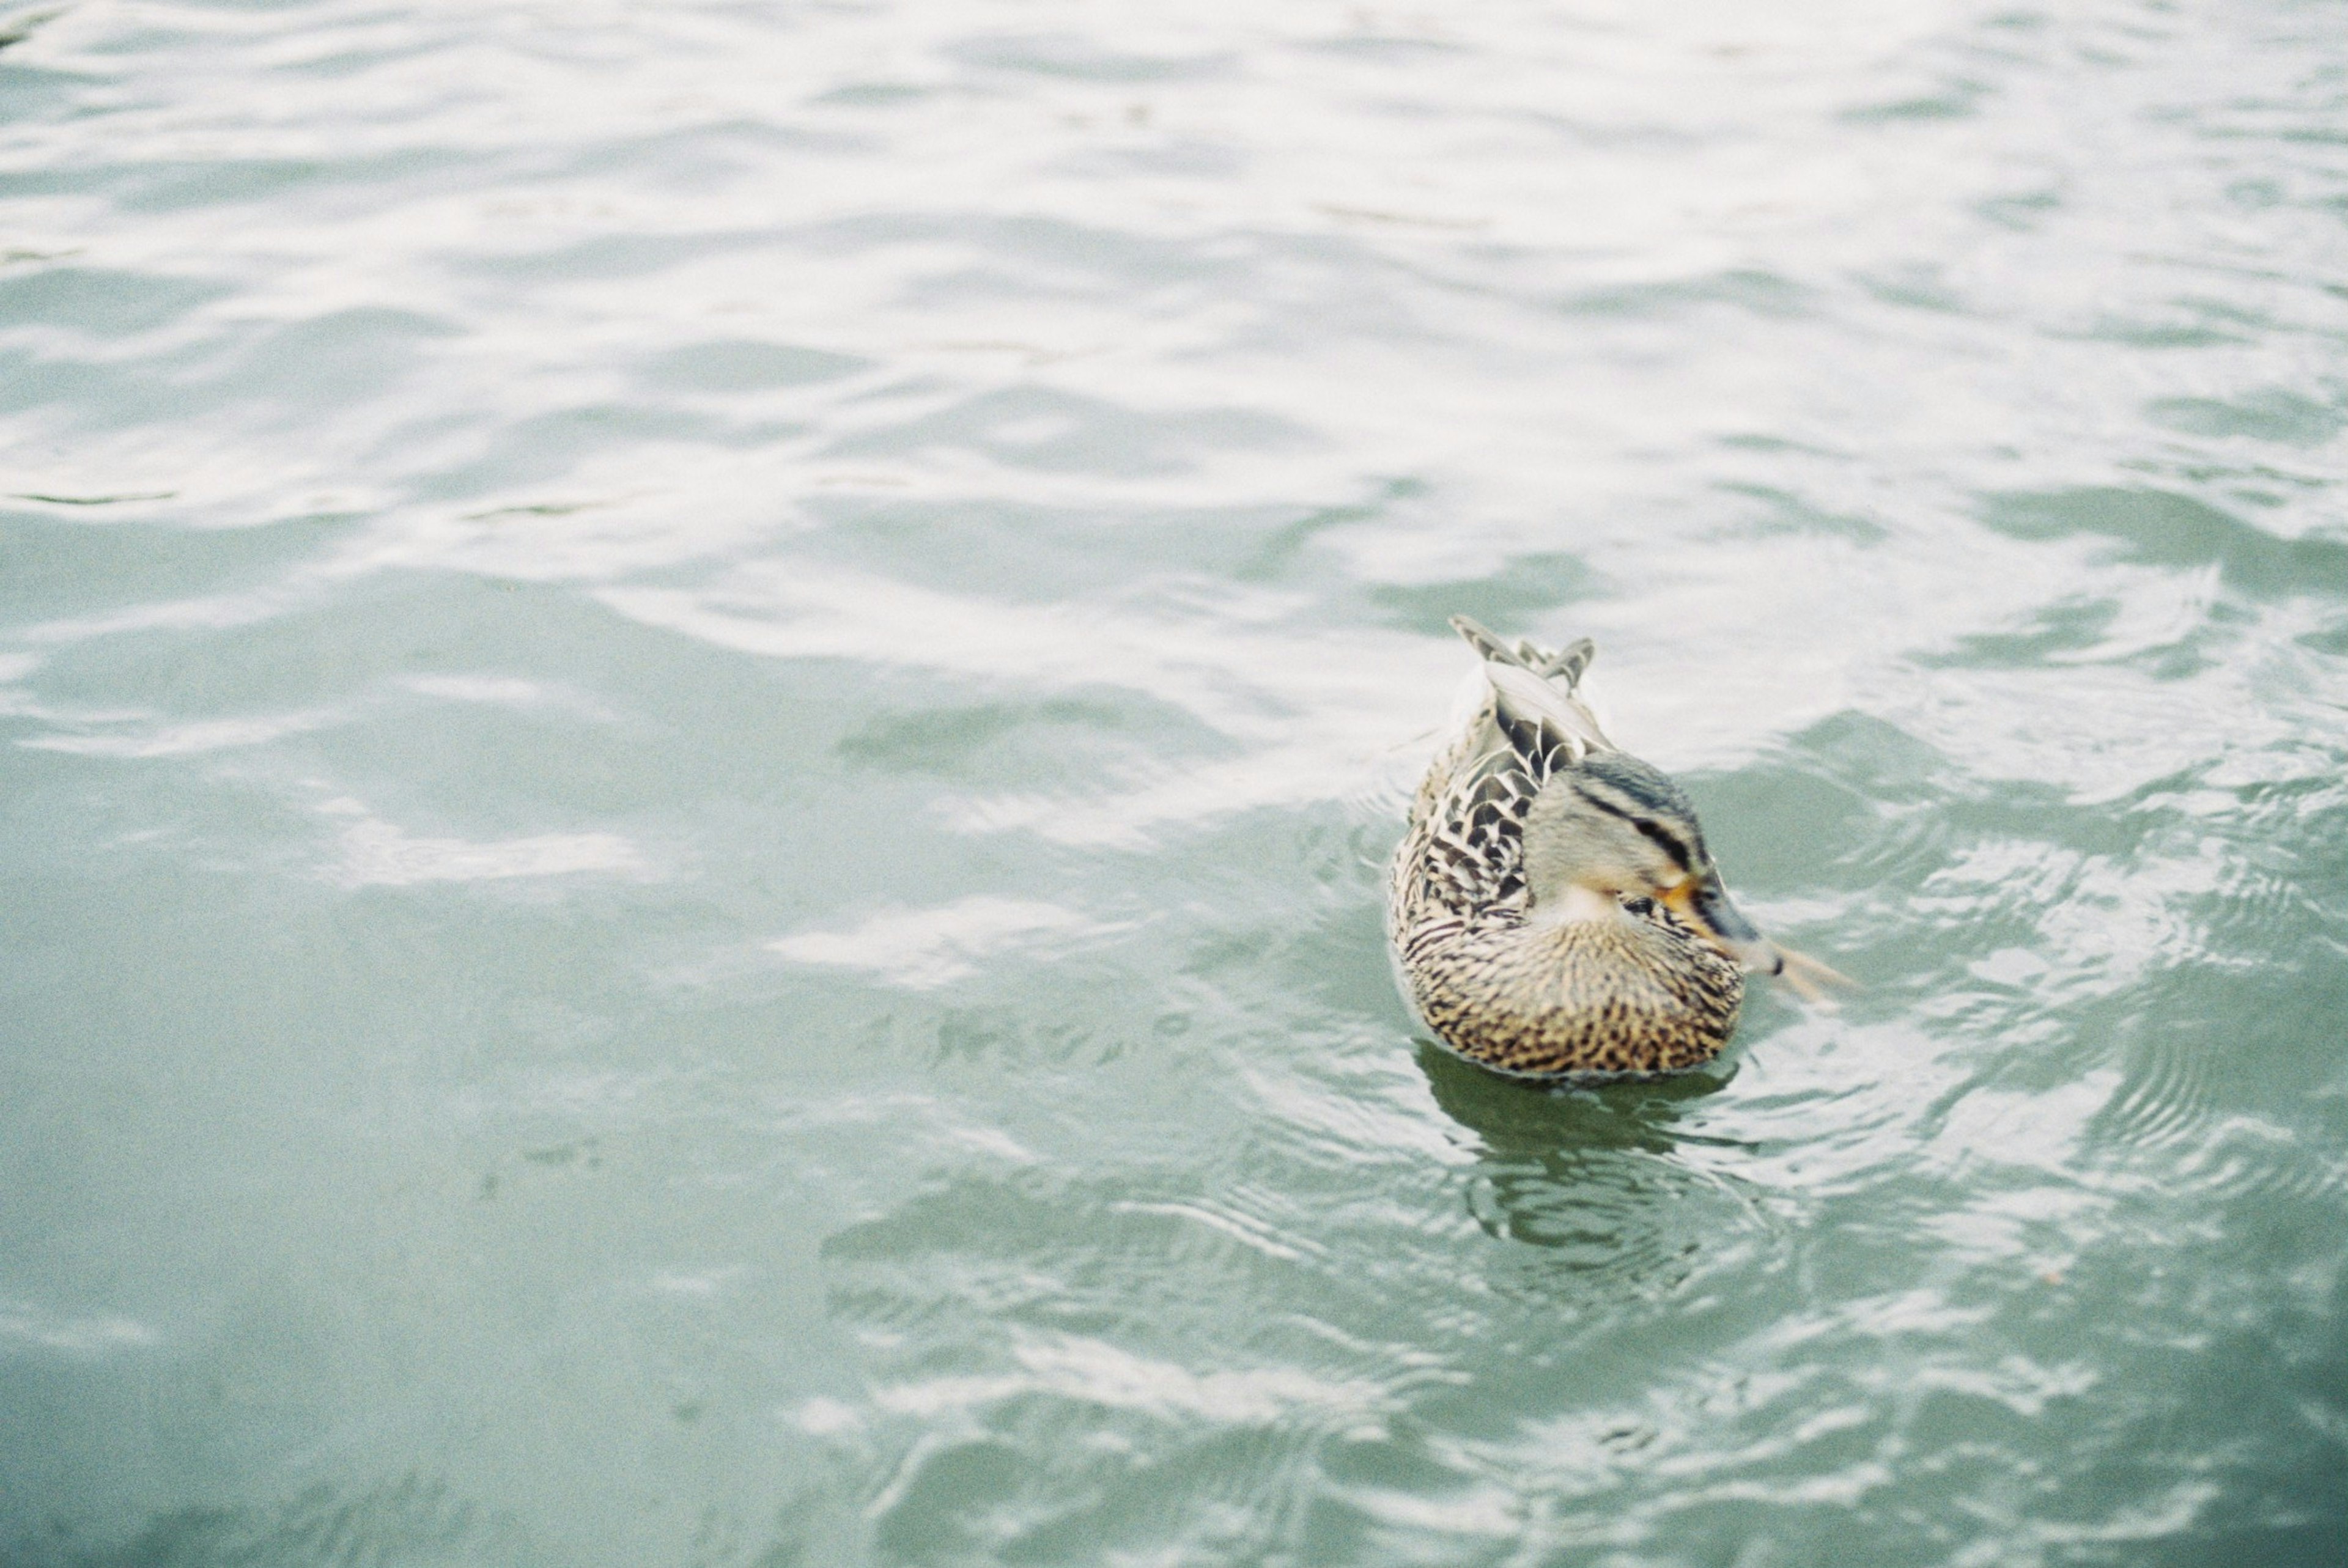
(1576,905)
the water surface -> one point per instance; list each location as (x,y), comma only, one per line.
(699,706)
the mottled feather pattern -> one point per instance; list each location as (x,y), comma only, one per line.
(1640,995)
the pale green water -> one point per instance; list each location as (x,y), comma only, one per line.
(701,703)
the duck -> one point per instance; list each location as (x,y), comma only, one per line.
(1552,911)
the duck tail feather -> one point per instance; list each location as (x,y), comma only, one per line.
(1488,646)
(1533,690)
(1566,664)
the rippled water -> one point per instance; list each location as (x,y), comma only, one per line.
(702,702)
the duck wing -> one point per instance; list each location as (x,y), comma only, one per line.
(1472,852)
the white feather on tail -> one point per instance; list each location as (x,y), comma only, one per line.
(1537,689)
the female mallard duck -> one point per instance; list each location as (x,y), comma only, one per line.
(1552,910)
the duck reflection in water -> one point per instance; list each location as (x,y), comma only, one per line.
(1608,1181)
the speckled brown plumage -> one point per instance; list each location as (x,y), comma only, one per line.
(1524,995)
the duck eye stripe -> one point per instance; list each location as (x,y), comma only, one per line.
(1661,836)
(1663,840)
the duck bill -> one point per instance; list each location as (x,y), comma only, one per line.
(1704,902)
